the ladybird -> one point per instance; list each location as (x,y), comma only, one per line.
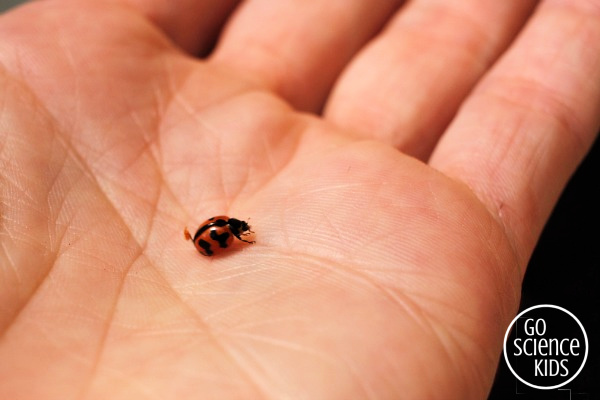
(217,233)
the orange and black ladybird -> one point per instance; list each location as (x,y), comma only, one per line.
(217,233)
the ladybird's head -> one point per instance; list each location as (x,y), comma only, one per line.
(238,226)
(245,227)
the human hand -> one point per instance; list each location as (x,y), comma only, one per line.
(377,273)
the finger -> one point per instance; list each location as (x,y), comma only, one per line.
(297,49)
(406,86)
(523,131)
(192,24)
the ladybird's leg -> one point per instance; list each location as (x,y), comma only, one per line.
(244,240)
(186,234)
(248,232)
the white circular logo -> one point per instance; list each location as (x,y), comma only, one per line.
(545,346)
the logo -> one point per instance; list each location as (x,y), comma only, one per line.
(545,346)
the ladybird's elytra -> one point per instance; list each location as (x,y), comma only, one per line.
(217,233)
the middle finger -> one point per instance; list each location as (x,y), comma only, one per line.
(405,87)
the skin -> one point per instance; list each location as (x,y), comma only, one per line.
(398,163)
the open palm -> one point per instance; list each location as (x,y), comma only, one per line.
(389,256)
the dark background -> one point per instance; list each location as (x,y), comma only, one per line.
(6,4)
(564,270)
